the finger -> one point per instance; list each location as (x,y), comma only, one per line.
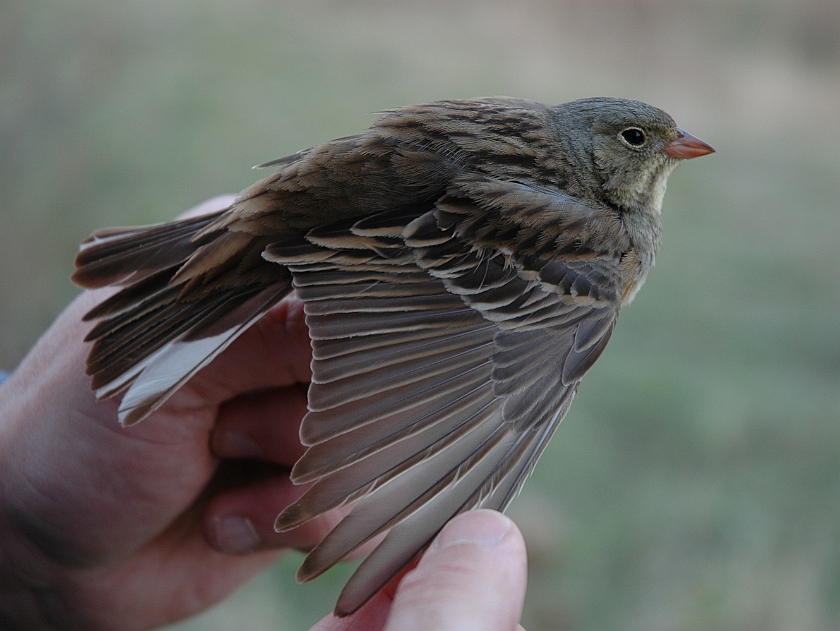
(472,577)
(241,520)
(274,352)
(371,617)
(262,425)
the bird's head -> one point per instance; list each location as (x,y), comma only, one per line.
(625,150)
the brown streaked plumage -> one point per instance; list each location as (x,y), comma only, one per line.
(462,265)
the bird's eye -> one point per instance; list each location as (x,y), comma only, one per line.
(634,137)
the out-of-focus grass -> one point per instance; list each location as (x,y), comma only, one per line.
(695,483)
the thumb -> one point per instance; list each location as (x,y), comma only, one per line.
(473,576)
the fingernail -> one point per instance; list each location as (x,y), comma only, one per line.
(230,443)
(484,527)
(234,534)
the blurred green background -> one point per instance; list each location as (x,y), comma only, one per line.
(695,485)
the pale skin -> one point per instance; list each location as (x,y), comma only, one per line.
(109,528)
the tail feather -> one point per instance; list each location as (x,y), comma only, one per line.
(116,255)
(164,372)
(184,299)
(124,303)
(145,333)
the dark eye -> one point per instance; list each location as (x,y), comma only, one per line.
(634,136)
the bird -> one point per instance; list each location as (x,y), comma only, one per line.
(462,265)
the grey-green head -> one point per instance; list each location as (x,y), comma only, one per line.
(624,150)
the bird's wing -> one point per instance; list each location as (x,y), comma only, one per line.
(442,365)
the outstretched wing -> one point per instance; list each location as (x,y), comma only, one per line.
(443,362)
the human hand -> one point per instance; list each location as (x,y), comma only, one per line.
(109,531)
(103,527)
(472,577)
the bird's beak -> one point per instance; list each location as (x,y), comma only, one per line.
(686,146)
